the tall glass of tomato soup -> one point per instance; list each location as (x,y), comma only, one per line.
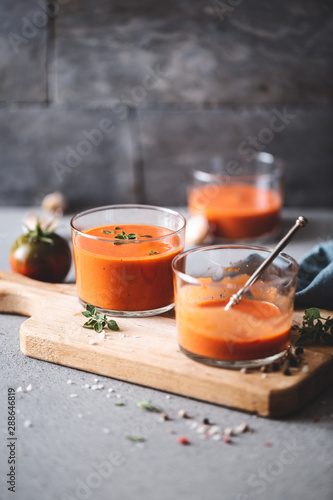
(241,198)
(123,255)
(254,332)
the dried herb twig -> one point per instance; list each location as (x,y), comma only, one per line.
(315,328)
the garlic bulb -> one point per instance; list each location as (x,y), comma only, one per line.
(197,230)
(54,202)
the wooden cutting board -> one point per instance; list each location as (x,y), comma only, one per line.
(145,352)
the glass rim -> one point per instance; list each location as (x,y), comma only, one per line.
(196,281)
(278,169)
(129,206)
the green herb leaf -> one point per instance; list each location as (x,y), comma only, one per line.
(112,324)
(312,313)
(131,236)
(120,237)
(87,314)
(119,243)
(90,323)
(98,326)
(117,227)
(152,252)
(119,403)
(315,328)
(146,236)
(136,439)
(91,309)
(146,405)
(107,232)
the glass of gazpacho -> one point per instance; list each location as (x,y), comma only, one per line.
(123,255)
(241,198)
(254,332)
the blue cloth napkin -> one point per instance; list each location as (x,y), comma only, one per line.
(315,278)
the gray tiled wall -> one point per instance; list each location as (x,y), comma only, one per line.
(112,101)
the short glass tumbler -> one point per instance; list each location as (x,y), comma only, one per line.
(241,199)
(254,332)
(123,255)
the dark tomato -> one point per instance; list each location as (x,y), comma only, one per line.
(46,257)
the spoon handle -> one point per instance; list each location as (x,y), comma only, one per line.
(300,222)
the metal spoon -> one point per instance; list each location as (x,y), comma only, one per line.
(300,222)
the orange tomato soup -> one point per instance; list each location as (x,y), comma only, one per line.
(126,274)
(253,329)
(237,211)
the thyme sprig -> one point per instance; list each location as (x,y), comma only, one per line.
(136,439)
(146,405)
(315,328)
(98,321)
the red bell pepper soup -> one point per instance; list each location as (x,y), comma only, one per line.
(237,211)
(128,268)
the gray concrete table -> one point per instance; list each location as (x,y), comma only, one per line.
(76,448)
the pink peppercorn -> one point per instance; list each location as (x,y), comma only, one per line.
(226,439)
(183,440)
(268,444)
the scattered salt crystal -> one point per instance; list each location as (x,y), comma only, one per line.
(121,336)
(243,370)
(69,381)
(96,380)
(118,395)
(19,389)
(305,368)
(27,423)
(73,395)
(86,386)
(28,388)
(243,427)
(182,413)
(110,389)
(217,437)
(202,428)
(92,342)
(263,375)
(94,387)
(106,430)
(167,396)
(108,395)
(100,386)
(214,429)
(228,431)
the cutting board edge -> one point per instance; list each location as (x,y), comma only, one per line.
(298,395)
(208,390)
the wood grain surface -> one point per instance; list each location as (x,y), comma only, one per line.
(145,352)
